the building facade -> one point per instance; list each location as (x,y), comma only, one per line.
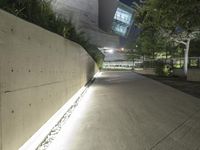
(123,20)
(84,14)
(115,17)
(104,22)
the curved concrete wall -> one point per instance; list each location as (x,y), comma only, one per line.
(81,12)
(39,72)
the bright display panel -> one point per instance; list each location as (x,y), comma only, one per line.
(123,16)
(122,21)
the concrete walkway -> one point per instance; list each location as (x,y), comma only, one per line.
(125,111)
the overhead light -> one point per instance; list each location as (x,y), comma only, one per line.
(111,51)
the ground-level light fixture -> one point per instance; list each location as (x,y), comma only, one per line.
(44,137)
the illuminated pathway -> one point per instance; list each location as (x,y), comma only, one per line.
(125,111)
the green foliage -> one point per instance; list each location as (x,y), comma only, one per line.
(169,14)
(2,3)
(96,54)
(41,13)
(195,48)
(132,54)
(150,43)
(163,69)
(173,21)
(146,43)
(149,64)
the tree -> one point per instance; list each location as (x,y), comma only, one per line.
(176,20)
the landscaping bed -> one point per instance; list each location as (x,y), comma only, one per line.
(189,87)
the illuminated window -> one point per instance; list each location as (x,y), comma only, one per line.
(120,29)
(122,21)
(123,16)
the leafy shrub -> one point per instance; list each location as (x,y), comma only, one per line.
(96,54)
(41,13)
(163,69)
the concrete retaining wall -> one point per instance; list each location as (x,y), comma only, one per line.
(39,72)
(193,75)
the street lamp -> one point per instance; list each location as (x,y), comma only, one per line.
(111,51)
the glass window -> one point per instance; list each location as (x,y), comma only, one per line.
(120,28)
(123,16)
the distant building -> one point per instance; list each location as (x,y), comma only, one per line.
(123,20)
(105,22)
(85,14)
(115,17)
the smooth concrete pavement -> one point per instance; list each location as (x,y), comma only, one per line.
(126,111)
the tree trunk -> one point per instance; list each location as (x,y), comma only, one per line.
(166,56)
(186,57)
(133,62)
(143,61)
(153,53)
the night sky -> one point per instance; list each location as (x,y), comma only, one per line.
(128,2)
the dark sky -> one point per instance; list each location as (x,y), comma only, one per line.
(128,2)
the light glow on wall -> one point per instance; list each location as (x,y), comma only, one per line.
(38,138)
(64,139)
